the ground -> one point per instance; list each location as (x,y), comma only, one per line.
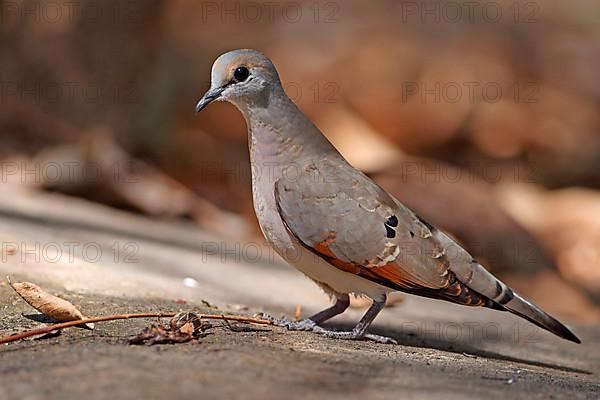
(444,351)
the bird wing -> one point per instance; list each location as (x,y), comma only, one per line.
(341,215)
(345,218)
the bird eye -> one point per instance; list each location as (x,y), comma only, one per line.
(241,74)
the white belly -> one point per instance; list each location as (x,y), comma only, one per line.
(329,276)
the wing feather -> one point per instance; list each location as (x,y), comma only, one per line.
(351,222)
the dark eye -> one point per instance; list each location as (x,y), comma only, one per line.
(241,74)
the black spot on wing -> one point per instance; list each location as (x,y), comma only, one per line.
(390,224)
(390,232)
(392,221)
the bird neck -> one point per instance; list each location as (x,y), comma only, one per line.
(278,132)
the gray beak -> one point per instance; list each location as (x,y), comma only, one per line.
(208,98)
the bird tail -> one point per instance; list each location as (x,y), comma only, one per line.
(525,309)
(499,296)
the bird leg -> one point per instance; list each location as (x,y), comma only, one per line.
(310,323)
(359,331)
(342,303)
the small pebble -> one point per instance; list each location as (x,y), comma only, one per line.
(190,282)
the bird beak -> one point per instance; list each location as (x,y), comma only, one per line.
(209,97)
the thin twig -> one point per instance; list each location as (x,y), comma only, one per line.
(63,325)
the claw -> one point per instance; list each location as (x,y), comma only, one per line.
(352,335)
(380,339)
(309,325)
(302,325)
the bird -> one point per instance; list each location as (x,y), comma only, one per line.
(336,225)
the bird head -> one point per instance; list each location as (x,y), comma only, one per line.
(241,77)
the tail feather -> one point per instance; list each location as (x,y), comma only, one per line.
(525,309)
(499,296)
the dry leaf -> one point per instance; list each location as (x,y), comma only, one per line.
(50,305)
(209,305)
(188,328)
(185,317)
(158,335)
(183,327)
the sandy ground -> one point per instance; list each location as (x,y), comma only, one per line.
(445,351)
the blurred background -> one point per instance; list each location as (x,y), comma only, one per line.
(481,116)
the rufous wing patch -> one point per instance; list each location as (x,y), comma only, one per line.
(393,273)
(323,249)
(390,274)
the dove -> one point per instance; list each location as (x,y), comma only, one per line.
(337,226)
